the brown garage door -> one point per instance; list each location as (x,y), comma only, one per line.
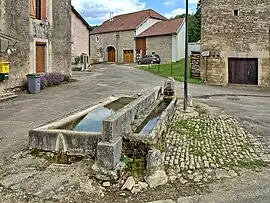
(243,71)
(128,56)
(40,57)
(141,46)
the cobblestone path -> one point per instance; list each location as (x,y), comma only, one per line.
(219,144)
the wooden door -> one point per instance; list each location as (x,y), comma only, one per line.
(40,58)
(243,71)
(111,55)
(141,46)
(128,56)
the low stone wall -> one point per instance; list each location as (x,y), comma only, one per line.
(119,123)
(163,122)
(75,143)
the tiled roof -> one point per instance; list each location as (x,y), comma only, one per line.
(128,21)
(163,28)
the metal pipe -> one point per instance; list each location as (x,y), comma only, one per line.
(186,61)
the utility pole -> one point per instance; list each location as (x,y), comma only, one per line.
(186,61)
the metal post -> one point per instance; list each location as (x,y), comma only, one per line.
(186,61)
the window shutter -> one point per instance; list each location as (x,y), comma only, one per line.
(33,8)
(43,10)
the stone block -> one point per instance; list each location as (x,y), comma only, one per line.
(109,154)
(155,161)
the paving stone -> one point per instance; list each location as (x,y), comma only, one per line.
(163,201)
(221,173)
(13,179)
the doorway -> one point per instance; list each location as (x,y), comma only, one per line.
(111,54)
(243,71)
(40,57)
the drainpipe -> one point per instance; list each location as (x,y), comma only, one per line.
(117,52)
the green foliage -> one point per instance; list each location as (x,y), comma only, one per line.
(175,70)
(194,24)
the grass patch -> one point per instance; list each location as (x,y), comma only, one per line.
(175,70)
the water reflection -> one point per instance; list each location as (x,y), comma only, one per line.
(92,122)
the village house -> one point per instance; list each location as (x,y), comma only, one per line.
(35,38)
(122,38)
(237,36)
(80,30)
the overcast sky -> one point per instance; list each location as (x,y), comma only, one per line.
(97,11)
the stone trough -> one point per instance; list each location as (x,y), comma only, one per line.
(121,122)
(70,134)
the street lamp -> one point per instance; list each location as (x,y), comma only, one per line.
(186,61)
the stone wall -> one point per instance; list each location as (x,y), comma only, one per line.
(80,36)
(230,36)
(16,23)
(162,45)
(100,42)
(61,36)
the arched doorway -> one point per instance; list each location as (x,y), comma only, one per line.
(111,54)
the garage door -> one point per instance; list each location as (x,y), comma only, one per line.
(128,56)
(243,71)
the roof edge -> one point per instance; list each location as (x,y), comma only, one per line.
(91,33)
(81,18)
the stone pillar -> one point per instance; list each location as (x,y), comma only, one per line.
(109,153)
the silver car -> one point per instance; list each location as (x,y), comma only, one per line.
(149,59)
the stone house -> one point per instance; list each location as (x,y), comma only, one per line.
(80,30)
(40,32)
(237,35)
(124,37)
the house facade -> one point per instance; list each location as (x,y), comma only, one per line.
(40,32)
(167,38)
(237,36)
(80,30)
(122,38)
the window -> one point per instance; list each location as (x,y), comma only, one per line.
(38,9)
(236,12)
(97,38)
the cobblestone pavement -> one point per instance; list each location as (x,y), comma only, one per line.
(208,146)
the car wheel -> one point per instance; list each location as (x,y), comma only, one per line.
(152,62)
(139,62)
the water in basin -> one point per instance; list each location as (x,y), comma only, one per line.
(92,122)
(150,122)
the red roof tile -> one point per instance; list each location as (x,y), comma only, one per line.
(163,28)
(127,21)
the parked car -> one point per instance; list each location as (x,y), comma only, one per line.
(149,59)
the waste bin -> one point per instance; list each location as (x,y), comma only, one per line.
(33,81)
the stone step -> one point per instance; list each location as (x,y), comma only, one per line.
(7,96)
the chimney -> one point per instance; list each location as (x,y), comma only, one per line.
(112,16)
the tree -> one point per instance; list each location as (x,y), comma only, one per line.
(194,24)
(198,18)
(192,27)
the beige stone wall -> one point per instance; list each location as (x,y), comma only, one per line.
(243,36)
(55,32)
(162,45)
(79,37)
(100,42)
